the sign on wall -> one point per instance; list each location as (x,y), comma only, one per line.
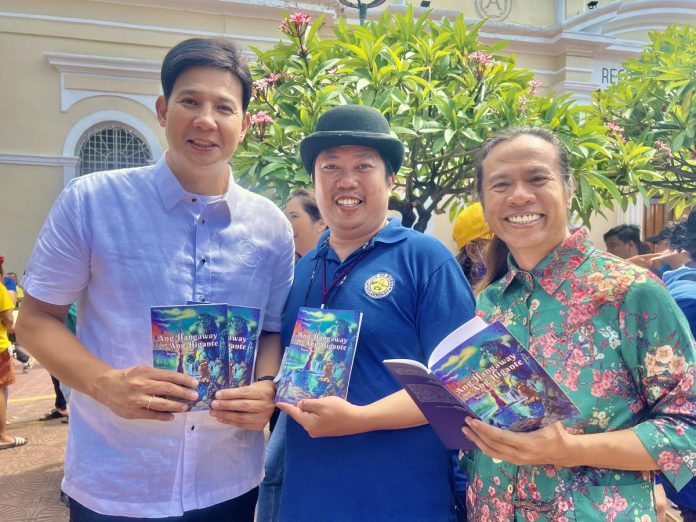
(605,74)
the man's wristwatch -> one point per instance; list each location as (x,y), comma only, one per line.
(266,378)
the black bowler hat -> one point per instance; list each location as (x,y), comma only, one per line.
(352,125)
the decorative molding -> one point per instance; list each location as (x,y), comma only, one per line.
(254,8)
(549,72)
(69,97)
(43,160)
(108,66)
(138,27)
(493,9)
(581,91)
(103,67)
(86,123)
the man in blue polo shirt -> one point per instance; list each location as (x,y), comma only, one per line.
(372,456)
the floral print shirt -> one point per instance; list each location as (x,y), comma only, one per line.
(615,341)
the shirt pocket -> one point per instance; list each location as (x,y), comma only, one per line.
(628,503)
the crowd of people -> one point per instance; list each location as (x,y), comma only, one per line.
(606,329)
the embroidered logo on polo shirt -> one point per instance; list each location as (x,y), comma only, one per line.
(379,285)
(248,253)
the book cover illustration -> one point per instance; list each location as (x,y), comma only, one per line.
(242,340)
(320,357)
(482,371)
(502,383)
(192,339)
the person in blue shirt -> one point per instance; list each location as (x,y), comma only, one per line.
(681,284)
(371,457)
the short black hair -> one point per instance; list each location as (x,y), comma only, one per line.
(625,233)
(684,235)
(206,52)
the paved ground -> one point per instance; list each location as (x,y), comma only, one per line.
(30,475)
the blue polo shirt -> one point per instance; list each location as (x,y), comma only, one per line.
(412,294)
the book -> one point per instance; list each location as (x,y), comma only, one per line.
(482,371)
(320,357)
(192,339)
(242,339)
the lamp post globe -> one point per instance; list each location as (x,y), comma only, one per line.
(362,7)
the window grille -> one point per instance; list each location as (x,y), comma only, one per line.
(111,146)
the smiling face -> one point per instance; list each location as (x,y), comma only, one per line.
(352,191)
(306,232)
(524,199)
(204,123)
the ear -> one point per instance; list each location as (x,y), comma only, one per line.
(161,107)
(390,182)
(245,126)
(320,225)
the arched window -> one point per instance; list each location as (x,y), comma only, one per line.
(110,146)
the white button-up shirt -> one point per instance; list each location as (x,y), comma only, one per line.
(121,242)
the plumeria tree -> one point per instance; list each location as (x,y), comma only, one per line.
(443,92)
(654,104)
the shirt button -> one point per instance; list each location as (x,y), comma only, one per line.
(525,321)
(203,260)
(192,428)
(193,200)
(203,221)
(202,299)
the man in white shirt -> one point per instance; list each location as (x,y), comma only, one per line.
(123,241)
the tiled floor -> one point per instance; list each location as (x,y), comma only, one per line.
(30,475)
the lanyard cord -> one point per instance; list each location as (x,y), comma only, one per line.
(338,279)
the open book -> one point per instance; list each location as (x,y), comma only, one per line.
(482,371)
(320,357)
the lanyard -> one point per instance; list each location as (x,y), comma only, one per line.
(339,278)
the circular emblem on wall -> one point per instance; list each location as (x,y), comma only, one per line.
(379,285)
(494,9)
(248,253)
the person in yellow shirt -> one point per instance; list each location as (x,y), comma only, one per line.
(471,233)
(7,375)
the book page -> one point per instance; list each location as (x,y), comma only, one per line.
(456,338)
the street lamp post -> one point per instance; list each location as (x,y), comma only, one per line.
(362,7)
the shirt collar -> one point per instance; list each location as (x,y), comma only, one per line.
(556,267)
(392,232)
(170,190)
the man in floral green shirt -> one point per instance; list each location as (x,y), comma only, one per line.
(607,331)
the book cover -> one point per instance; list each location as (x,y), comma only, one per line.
(242,339)
(482,371)
(192,339)
(320,357)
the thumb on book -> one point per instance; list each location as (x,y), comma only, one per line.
(310,405)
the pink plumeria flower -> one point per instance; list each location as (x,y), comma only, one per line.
(261,118)
(300,18)
(663,147)
(533,85)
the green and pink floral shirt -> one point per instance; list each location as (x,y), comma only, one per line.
(615,341)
